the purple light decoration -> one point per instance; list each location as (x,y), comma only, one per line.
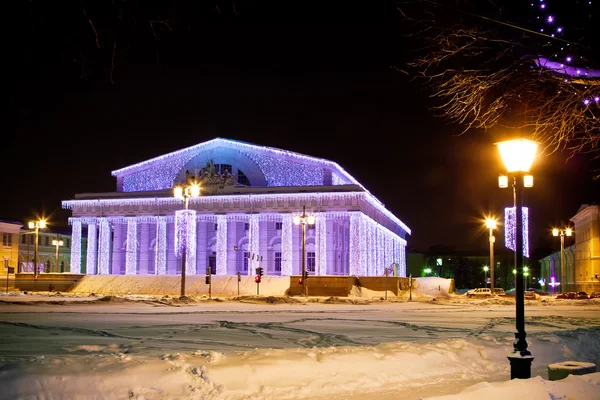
(132,247)
(550,19)
(185,235)
(586,102)
(161,246)
(221,245)
(321,243)
(286,245)
(596,99)
(90,268)
(356,267)
(254,243)
(104,247)
(76,247)
(569,59)
(543,6)
(559,68)
(510,229)
(559,30)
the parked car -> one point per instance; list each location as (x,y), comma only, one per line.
(479,292)
(499,292)
(529,295)
(595,295)
(573,296)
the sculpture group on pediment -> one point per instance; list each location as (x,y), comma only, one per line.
(209,176)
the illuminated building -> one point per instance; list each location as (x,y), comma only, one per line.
(243,217)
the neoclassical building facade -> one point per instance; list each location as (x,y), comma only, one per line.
(243,218)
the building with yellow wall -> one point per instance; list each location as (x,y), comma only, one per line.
(9,251)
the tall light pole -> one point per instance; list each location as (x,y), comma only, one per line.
(58,243)
(490,223)
(518,156)
(190,189)
(304,220)
(562,233)
(36,226)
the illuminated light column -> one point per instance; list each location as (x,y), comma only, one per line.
(368,248)
(132,246)
(254,244)
(104,247)
(161,246)
(144,260)
(356,239)
(76,247)
(185,238)
(92,250)
(222,245)
(511,228)
(321,243)
(286,245)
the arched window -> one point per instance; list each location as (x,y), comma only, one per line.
(62,266)
(242,179)
(48,266)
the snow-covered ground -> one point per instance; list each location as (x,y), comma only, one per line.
(147,347)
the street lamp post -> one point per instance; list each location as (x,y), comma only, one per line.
(485,271)
(562,233)
(190,189)
(518,156)
(304,220)
(57,243)
(490,223)
(36,226)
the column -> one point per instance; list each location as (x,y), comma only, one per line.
(232,229)
(263,245)
(254,241)
(371,249)
(222,247)
(92,250)
(356,234)
(144,250)
(321,243)
(332,257)
(171,257)
(201,250)
(104,247)
(185,235)
(76,246)
(286,245)
(132,246)
(161,246)
(117,247)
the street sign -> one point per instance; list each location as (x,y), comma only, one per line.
(11,270)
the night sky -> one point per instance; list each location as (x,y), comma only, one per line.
(305,78)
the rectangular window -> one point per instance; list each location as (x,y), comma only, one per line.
(246,255)
(246,226)
(278,225)
(6,239)
(311,226)
(23,239)
(216,226)
(311,261)
(278,261)
(47,241)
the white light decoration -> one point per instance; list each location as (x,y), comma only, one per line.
(92,250)
(321,243)
(221,245)
(355,243)
(161,246)
(254,244)
(185,233)
(249,200)
(75,247)
(286,245)
(370,249)
(131,247)
(510,229)
(104,247)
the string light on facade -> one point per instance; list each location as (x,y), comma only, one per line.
(75,267)
(104,247)
(321,243)
(254,244)
(221,245)
(92,244)
(161,246)
(286,245)
(132,246)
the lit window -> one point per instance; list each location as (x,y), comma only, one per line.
(311,261)
(278,225)
(277,261)
(7,239)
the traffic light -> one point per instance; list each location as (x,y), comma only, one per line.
(259,271)
(257,279)
(239,274)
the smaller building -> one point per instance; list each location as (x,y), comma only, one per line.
(54,250)
(582,259)
(9,252)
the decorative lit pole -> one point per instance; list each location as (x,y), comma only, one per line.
(304,220)
(36,226)
(485,271)
(191,189)
(490,223)
(57,243)
(562,233)
(518,156)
